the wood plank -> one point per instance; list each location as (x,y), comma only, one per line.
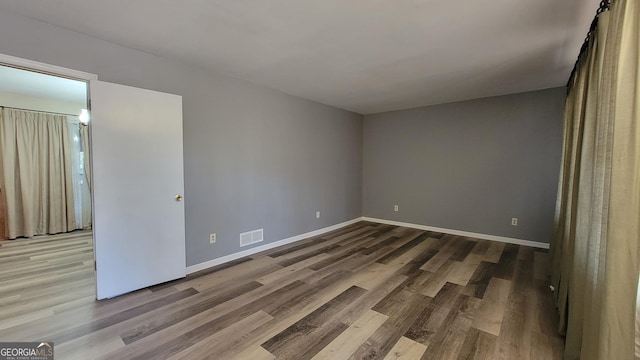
(400,311)
(448,342)
(507,262)
(8,323)
(541,265)
(299,296)
(547,317)
(195,335)
(427,324)
(481,247)
(348,342)
(416,262)
(256,353)
(480,279)
(406,349)
(212,270)
(302,257)
(491,312)
(381,243)
(203,348)
(384,286)
(286,272)
(185,313)
(462,272)
(369,276)
(122,316)
(479,345)
(351,264)
(437,261)
(288,344)
(463,248)
(438,280)
(229,276)
(518,322)
(88,350)
(415,239)
(235,348)
(494,252)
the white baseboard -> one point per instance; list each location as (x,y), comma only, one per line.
(503,239)
(221,260)
(224,259)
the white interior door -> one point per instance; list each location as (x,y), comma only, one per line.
(137,164)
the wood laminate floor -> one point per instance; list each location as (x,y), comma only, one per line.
(366,291)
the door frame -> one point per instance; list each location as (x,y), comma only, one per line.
(54,70)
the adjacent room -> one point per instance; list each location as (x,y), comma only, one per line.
(320,180)
(44,154)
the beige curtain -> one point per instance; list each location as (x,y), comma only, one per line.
(36,173)
(86,189)
(84,135)
(597,246)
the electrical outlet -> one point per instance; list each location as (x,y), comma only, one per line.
(212,238)
(317,214)
(514,221)
(395,208)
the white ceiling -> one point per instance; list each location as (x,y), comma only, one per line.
(366,56)
(31,83)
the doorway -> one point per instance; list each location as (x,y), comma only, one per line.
(44,153)
(45,183)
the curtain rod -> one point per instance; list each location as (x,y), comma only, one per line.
(48,112)
(604,6)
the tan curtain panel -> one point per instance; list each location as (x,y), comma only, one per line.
(36,173)
(86,188)
(597,246)
(84,135)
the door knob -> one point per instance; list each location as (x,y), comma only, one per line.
(178,197)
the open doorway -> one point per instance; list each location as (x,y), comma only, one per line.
(45,187)
(44,154)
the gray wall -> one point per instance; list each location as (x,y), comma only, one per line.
(254,157)
(470,165)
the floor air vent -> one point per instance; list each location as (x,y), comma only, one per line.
(251,237)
